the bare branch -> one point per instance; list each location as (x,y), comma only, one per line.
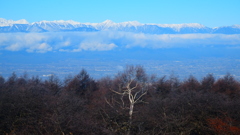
(136,94)
(118,92)
(108,102)
(123,101)
(134,87)
(140,96)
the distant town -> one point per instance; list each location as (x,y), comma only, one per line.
(100,68)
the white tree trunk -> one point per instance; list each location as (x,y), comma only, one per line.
(130,118)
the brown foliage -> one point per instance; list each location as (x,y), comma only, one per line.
(223,127)
(82,105)
(227,85)
(191,84)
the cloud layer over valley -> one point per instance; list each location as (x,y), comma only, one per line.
(109,40)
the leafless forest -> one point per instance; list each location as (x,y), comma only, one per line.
(132,103)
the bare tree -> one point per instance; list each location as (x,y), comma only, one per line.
(207,83)
(133,85)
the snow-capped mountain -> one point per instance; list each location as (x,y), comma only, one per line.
(62,25)
(235,29)
(4,22)
(8,26)
(110,25)
(42,26)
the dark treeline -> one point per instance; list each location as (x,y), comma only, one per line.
(132,102)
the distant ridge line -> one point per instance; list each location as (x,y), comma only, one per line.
(9,26)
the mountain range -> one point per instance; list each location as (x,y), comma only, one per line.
(10,26)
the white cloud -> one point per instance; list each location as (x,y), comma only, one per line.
(13,47)
(105,40)
(95,46)
(40,48)
(64,50)
(67,43)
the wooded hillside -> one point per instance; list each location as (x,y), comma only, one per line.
(132,102)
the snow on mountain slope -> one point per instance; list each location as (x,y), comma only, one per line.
(108,25)
(236,26)
(4,22)
(235,29)
(178,27)
(60,25)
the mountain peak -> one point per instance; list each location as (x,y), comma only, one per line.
(22,21)
(131,23)
(108,22)
(177,27)
(195,25)
(4,22)
(105,25)
(236,26)
(58,22)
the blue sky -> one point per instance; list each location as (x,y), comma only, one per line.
(211,13)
